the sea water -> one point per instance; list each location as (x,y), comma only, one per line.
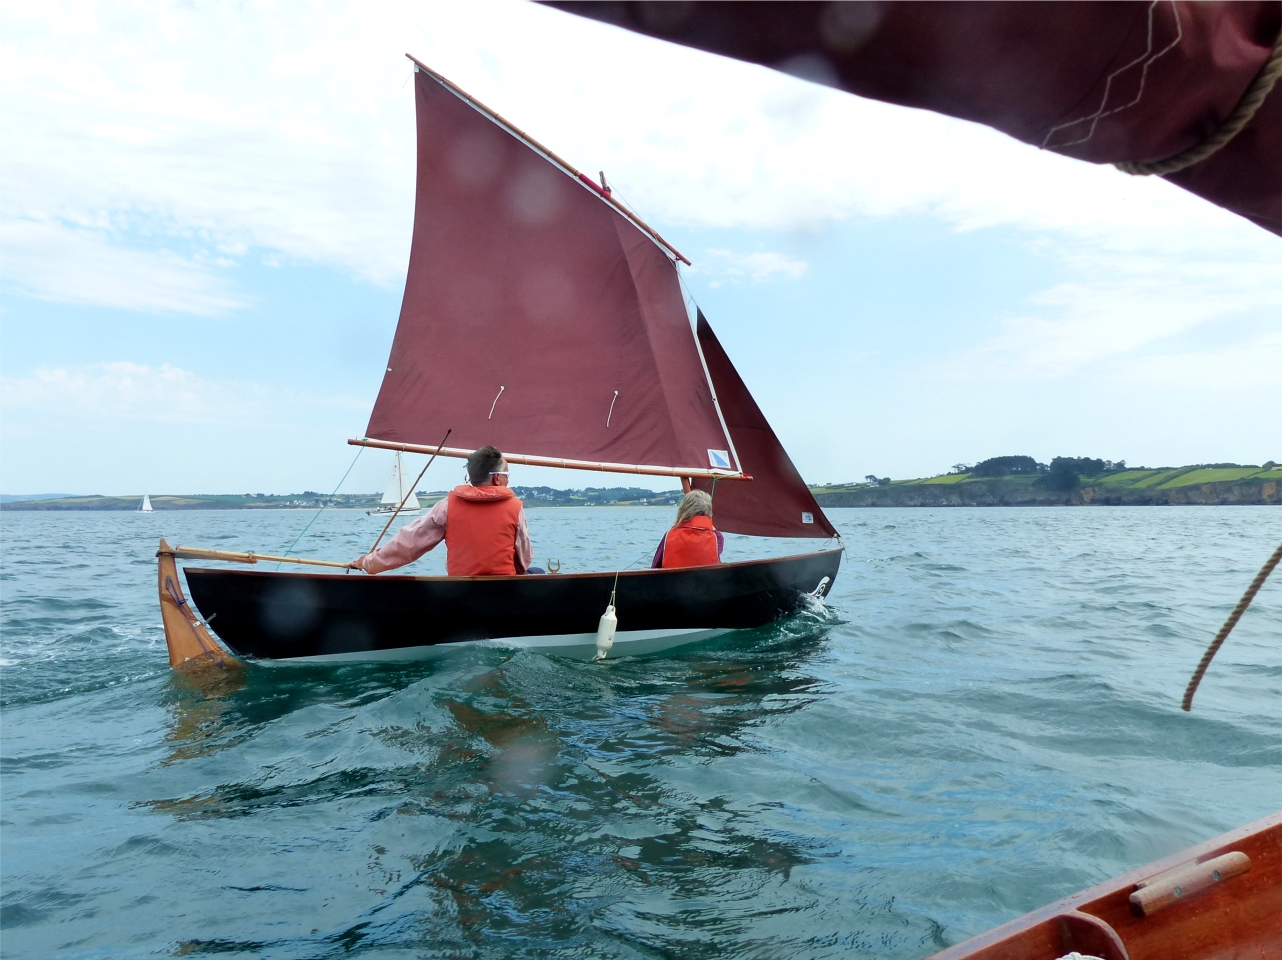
(986,718)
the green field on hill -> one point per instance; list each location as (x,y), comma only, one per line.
(1196,483)
(1166,478)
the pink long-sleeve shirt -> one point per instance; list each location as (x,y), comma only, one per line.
(415,539)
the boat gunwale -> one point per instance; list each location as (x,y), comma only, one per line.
(523,577)
(1086,901)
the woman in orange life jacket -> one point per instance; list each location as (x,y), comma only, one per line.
(481,521)
(692,541)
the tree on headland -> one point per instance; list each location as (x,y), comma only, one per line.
(1007,466)
(1066,472)
(1083,466)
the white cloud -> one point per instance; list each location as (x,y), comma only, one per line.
(1253,364)
(124,390)
(215,129)
(146,149)
(758,266)
(53,261)
(1120,311)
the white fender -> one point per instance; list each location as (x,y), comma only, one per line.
(605,632)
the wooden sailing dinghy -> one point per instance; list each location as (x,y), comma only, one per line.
(1219,900)
(542,316)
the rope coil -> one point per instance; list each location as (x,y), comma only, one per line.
(1229,624)
(1233,124)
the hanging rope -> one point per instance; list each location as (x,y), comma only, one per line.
(1233,124)
(289,550)
(1229,624)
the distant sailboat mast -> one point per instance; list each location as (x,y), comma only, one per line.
(397,491)
(146,505)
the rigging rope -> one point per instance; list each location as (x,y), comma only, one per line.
(1229,624)
(288,550)
(1233,124)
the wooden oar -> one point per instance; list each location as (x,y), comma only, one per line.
(196,553)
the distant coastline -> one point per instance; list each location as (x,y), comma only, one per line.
(1198,484)
(310,500)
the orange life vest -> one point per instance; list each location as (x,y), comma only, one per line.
(480,532)
(691,544)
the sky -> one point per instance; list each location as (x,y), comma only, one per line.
(205,216)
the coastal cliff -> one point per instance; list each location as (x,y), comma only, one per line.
(1182,486)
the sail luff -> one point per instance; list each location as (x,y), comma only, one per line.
(712,386)
(566,167)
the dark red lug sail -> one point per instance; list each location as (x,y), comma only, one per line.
(1107,82)
(537,317)
(776,502)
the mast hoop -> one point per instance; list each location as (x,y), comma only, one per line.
(567,168)
(534,460)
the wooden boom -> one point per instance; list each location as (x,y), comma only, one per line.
(537,461)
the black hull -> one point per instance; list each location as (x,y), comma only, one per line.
(286,616)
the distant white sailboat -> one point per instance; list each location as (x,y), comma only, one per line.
(146,505)
(397,488)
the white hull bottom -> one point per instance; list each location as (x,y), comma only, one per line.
(578,646)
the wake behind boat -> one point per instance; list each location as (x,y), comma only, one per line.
(542,317)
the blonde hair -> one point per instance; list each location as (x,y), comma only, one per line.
(696,503)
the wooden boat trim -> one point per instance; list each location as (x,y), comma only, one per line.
(610,574)
(269,615)
(533,460)
(1106,909)
(185,636)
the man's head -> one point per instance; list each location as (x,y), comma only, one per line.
(483,465)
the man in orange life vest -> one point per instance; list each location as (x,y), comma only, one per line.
(481,521)
(692,541)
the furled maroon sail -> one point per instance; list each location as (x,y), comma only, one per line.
(537,317)
(777,502)
(1190,84)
